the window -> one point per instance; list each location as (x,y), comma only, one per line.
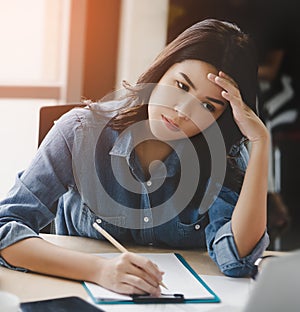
(37,69)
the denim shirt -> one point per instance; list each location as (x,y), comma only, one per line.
(52,176)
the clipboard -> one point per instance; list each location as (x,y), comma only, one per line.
(186,285)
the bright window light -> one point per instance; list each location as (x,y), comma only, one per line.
(34,51)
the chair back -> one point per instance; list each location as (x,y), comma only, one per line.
(49,114)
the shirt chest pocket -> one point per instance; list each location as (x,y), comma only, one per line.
(192,235)
(114,225)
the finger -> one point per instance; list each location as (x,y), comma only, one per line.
(140,286)
(137,271)
(224,83)
(239,109)
(148,266)
(233,99)
(127,289)
(137,265)
(224,75)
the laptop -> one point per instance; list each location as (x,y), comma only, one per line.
(277,287)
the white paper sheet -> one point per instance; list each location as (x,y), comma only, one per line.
(177,278)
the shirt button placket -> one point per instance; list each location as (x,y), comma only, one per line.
(147,221)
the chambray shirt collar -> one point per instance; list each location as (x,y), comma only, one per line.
(124,146)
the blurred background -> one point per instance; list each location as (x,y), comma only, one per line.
(61,51)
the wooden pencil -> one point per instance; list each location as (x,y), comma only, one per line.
(113,241)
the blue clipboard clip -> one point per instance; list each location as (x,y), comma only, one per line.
(164,298)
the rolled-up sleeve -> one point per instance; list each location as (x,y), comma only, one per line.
(220,241)
(22,214)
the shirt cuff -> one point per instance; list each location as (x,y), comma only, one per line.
(13,231)
(9,266)
(226,256)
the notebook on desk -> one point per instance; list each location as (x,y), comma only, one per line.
(184,284)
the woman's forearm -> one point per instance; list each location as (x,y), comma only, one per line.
(43,257)
(128,273)
(249,218)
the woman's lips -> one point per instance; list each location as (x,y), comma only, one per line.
(171,125)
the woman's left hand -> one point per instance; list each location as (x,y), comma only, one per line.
(248,122)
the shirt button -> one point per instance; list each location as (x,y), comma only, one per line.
(197,227)
(99,221)
(146,219)
(149,183)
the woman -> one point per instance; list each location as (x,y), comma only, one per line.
(125,162)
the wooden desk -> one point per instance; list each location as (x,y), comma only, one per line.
(31,286)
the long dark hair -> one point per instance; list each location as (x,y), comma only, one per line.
(218,43)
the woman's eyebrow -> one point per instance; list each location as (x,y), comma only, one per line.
(188,80)
(215,100)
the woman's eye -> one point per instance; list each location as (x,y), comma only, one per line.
(208,106)
(183,86)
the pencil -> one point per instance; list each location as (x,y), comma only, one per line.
(115,243)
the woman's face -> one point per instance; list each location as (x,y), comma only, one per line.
(185,102)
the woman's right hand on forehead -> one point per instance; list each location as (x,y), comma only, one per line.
(248,122)
(129,274)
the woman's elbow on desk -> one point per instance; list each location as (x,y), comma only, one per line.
(17,255)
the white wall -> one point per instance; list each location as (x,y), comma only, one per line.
(143,33)
(18,137)
(41,60)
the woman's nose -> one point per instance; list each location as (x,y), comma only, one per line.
(180,112)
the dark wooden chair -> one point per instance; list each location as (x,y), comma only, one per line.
(48,115)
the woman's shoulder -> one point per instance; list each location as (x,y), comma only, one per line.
(109,108)
(93,112)
(86,122)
